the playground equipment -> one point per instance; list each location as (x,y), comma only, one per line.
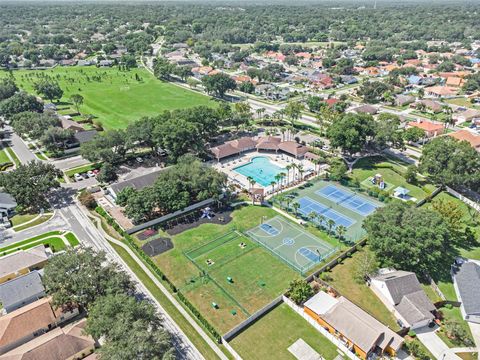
(214,305)
(378,180)
(229,279)
(206,213)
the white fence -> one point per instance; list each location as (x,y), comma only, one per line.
(466,200)
(317,326)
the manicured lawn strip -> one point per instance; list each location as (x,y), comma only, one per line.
(38,221)
(191,333)
(55,243)
(27,241)
(81,169)
(342,279)
(22,218)
(270,337)
(72,239)
(3,156)
(13,155)
(114,97)
(468,355)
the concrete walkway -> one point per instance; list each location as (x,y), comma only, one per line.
(432,342)
(475,329)
(170,297)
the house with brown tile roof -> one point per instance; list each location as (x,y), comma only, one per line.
(454,82)
(30,321)
(440,91)
(431,129)
(470,137)
(361,332)
(293,148)
(22,262)
(65,343)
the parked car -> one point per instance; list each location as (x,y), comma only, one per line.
(77,177)
(139,160)
(90,173)
(85,175)
(96,171)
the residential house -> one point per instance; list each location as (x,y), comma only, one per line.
(440,91)
(358,330)
(106,63)
(68,62)
(366,109)
(471,115)
(137,183)
(470,137)
(414,80)
(22,325)
(22,262)
(454,82)
(68,124)
(7,207)
(84,63)
(430,128)
(466,281)
(349,79)
(401,100)
(200,72)
(402,294)
(430,105)
(21,291)
(67,343)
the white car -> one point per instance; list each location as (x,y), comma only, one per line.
(77,177)
(139,160)
(90,174)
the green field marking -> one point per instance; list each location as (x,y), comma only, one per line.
(114,97)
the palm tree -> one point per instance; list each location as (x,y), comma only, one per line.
(273,186)
(321,220)
(250,182)
(288,167)
(300,171)
(330,225)
(281,199)
(289,201)
(340,230)
(312,215)
(282,178)
(278,178)
(296,206)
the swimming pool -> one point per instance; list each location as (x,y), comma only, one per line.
(260,169)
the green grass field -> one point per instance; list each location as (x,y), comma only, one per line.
(50,239)
(392,173)
(258,276)
(114,97)
(3,156)
(270,337)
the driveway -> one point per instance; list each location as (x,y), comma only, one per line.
(432,342)
(475,329)
(19,147)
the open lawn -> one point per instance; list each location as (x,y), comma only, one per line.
(30,223)
(270,337)
(258,277)
(342,279)
(52,239)
(114,97)
(3,156)
(392,173)
(13,155)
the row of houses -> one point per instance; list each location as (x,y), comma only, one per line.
(30,326)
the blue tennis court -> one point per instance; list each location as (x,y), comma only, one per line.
(269,229)
(308,205)
(347,199)
(309,254)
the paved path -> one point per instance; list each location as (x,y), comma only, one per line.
(475,329)
(20,148)
(432,342)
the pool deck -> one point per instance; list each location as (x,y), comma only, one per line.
(282,160)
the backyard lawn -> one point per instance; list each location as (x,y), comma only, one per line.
(114,97)
(342,279)
(270,337)
(392,173)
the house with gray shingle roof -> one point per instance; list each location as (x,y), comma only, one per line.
(466,281)
(21,291)
(402,293)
